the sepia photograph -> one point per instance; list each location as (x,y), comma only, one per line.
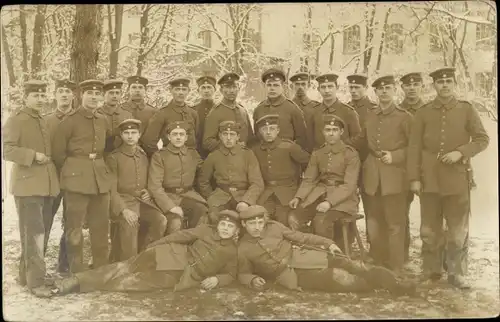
(250,161)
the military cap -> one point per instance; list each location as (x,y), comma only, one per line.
(112,84)
(206,80)
(229,215)
(137,80)
(129,124)
(253,211)
(179,82)
(357,79)
(34,86)
(384,80)
(268,119)
(411,78)
(177,125)
(327,78)
(229,78)
(91,84)
(229,126)
(65,83)
(300,77)
(443,73)
(273,74)
(331,119)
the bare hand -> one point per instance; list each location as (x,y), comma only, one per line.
(324,206)
(334,249)
(41,158)
(241,206)
(131,218)
(145,196)
(294,203)
(242,144)
(258,283)
(416,187)
(386,157)
(209,283)
(178,211)
(451,157)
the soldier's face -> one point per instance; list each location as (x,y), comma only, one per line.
(332,133)
(91,98)
(274,88)
(229,138)
(179,94)
(137,91)
(328,90)
(357,91)
(255,226)
(36,100)
(178,137)
(300,88)
(385,93)
(227,229)
(112,97)
(270,132)
(130,136)
(206,91)
(229,91)
(412,89)
(64,96)
(445,87)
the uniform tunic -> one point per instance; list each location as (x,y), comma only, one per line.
(203,108)
(411,108)
(362,106)
(308,106)
(114,115)
(143,112)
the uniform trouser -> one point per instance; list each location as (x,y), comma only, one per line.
(125,238)
(193,210)
(455,210)
(387,227)
(279,212)
(96,209)
(138,273)
(411,196)
(34,212)
(62,259)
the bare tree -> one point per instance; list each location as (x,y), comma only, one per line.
(115,35)
(24,42)
(38,35)
(8,58)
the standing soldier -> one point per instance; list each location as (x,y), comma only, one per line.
(445,134)
(387,130)
(113,112)
(34,183)
(236,173)
(64,105)
(292,122)
(281,162)
(175,110)
(131,203)
(328,189)
(171,179)
(78,151)
(227,110)
(301,82)
(206,88)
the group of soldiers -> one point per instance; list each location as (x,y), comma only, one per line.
(173,214)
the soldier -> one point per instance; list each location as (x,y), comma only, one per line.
(206,88)
(235,170)
(34,183)
(272,252)
(331,105)
(292,122)
(445,134)
(301,82)
(131,203)
(387,131)
(175,110)
(171,178)
(205,256)
(227,110)
(65,91)
(281,162)
(78,148)
(328,189)
(113,112)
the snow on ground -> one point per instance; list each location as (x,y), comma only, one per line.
(238,304)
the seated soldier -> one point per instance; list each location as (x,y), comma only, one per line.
(269,251)
(131,202)
(171,178)
(281,163)
(328,189)
(204,256)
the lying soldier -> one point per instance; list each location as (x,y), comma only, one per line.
(204,256)
(269,251)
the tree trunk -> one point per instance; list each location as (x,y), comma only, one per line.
(24,42)
(367,56)
(141,59)
(382,40)
(332,51)
(115,36)
(8,58)
(38,31)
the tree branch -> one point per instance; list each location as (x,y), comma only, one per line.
(160,33)
(356,56)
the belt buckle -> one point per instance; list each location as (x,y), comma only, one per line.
(179,190)
(233,189)
(92,156)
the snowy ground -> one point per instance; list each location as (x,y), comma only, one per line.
(236,303)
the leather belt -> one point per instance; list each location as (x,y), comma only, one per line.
(231,188)
(331,182)
(90,156)
(134,193)
(274,183)
(178,189)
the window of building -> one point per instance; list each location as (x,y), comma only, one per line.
(206,37)
(352,40)
(485,36)
(394,39)
(484,83)
(133,36)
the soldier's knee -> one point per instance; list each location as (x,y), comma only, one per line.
(174,224)
(74,237)
(161,223)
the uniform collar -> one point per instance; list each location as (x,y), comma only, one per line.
(364,101)
(438,103)
(413,106)
(182,150)
(32,112)
(271,145)
(87,113)
(129,150)
(60,114)
(387,111)
(138,105)
(108,109)
(228,105)
(177,107)
(333,148)
(332,107)
(277,102)
(232,151)
(302,102)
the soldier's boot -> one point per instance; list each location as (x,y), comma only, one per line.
(322,225)
(42,291)
(62,259)
(66,285)
(459,282)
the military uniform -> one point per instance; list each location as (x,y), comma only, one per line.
(78,149)
(386,185)
(439,128)
(34,185)
(308,108)
(292,121)
(202,109)
(281,163)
